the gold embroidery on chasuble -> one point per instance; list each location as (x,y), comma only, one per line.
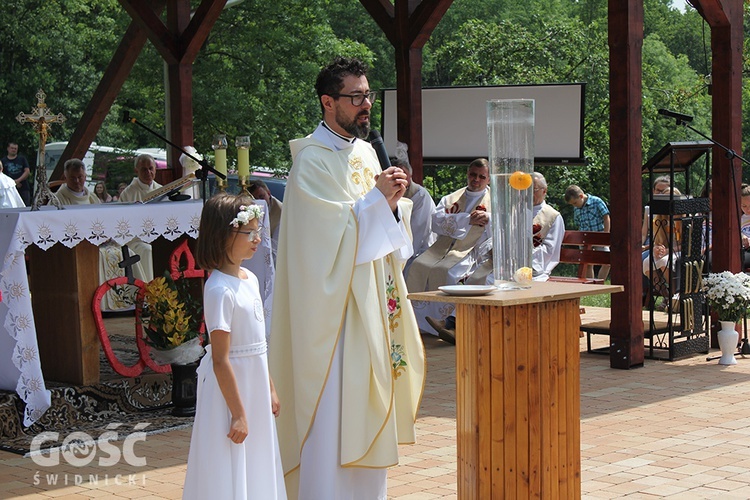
(362,176)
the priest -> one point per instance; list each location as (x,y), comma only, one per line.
(143,183)
(74,190)
(345,353)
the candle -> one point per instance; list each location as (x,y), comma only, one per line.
(221,161)
(243,162)
(243,155)
(220,151)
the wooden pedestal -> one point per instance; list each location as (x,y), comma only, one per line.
(518,392)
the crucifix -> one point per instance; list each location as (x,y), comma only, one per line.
(42,118)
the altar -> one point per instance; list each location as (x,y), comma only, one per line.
(64,244)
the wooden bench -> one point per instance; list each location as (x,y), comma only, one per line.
(577,248)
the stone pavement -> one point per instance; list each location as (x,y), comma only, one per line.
(666,430)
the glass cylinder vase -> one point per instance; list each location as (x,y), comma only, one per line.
(510,130)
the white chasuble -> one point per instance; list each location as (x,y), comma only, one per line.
(333,289)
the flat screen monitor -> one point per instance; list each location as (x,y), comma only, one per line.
(454,121)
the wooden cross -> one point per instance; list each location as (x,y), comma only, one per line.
(42,118)
(128,261)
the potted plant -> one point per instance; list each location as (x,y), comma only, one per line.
(172,322)
(728,295)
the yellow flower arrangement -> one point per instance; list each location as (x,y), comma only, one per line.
(171,316)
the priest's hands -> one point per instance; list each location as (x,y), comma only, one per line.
(392,183)
(479,216)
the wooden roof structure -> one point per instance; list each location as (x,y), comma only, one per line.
(408,25)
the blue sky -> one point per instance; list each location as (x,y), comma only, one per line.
(680,4)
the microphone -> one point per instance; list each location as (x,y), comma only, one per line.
(376,141)
(679,116)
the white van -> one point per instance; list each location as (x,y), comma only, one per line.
(104,163)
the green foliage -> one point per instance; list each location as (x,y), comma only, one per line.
(255,74)
(59,46)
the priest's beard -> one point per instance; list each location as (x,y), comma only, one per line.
(359,131)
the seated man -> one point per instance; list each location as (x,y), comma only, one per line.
(547,234)
(461,221)
(259,190)
(143,183)
(75,192)
(422,210)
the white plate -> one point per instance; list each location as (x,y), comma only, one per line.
(467,289)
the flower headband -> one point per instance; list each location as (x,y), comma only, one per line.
(246,214)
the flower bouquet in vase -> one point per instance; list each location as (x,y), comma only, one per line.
(728,295)
(172,319)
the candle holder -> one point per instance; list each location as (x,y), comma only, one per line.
(243,162)
(219,146)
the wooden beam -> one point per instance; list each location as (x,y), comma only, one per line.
(105,94)
(712,11)
(424,20)
(384,14)
(166,43)
(198,29)
(625,74)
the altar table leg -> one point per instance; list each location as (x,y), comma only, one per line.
(62,283)
(518,401)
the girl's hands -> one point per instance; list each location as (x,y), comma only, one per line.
(238,430)
(275,403)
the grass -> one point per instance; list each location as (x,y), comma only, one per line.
(603,300)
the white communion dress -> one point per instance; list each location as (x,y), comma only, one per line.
(217,467)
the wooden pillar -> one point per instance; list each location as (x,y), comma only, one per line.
(409,105)
(408,25)
(625,44)
(180,88)
(725,18)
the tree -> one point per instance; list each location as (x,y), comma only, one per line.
(60,47)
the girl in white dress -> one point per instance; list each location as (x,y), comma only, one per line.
(234,450)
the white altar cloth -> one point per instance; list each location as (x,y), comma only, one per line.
(20,366)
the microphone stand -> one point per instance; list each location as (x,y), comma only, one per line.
(205,167)
(743,347)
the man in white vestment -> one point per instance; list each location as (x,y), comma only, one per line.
(462,222)
(345,353)
(143,182)
(9,197)
(423,208)
(74,191)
